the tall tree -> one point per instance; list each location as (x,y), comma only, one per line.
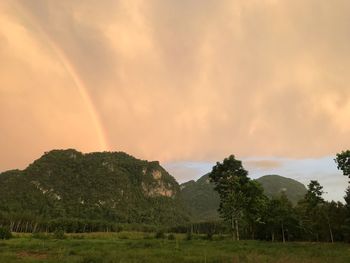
(257,203)
(232,183)
(343,163)
(279,217)
(312,209)
(346,226)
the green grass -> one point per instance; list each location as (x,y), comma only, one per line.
(139,247)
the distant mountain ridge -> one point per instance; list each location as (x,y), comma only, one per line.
(118,187)
(202,201)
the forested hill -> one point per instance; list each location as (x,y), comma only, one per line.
(102,186)
(202,201)
(274,184)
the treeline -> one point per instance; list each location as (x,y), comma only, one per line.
(281,221)
(310,220)
(20,223)
(249,214)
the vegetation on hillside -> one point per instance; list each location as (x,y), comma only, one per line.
(202,201)
(275,185)
(86,191)
(243,203)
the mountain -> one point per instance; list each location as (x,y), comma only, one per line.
(202,201)
(112,186)
(274,185)
(116,187)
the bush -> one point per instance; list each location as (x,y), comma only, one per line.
(209,236)
(221,237)
(189,235)
(159,234)
(38,235)
(123,236)
(147,236)
(92,259)
(5,233)
(59,234)
(171,237)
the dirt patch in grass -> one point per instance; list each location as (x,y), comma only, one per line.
(36,255)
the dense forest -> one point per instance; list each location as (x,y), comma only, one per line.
(88,192)
(76,192)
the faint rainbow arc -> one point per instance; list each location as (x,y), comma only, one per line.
(83,93)
(75,78)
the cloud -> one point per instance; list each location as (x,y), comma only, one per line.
(322,169)
(262,164)
(185,171)
(175,80)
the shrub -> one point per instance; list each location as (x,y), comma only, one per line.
(39,235)
(221,237)
(123,236)
(92,259)
(159,234)
(147,236)
(59,234)
(171,237)
(5,233)
(189,235)
(209,236)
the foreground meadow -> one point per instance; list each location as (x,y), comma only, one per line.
(140,247)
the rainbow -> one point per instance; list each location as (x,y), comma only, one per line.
(78,82)
(84,95)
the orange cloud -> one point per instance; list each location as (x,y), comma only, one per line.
(174,80)
(262,164)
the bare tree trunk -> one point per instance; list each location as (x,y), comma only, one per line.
(237,230)
(35,226)
(330,230)
(18,225)
(283,238)
(272,236)
(233,228)
(253,232)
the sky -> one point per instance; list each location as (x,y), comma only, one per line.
(183,82)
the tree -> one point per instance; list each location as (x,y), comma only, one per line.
(5,233)
(312,210)
(232,184)
(313,197)
(279,217)
(256,206)
(343,162)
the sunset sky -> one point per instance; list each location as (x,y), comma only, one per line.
(183,82)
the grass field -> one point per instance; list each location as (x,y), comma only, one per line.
(140,247)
